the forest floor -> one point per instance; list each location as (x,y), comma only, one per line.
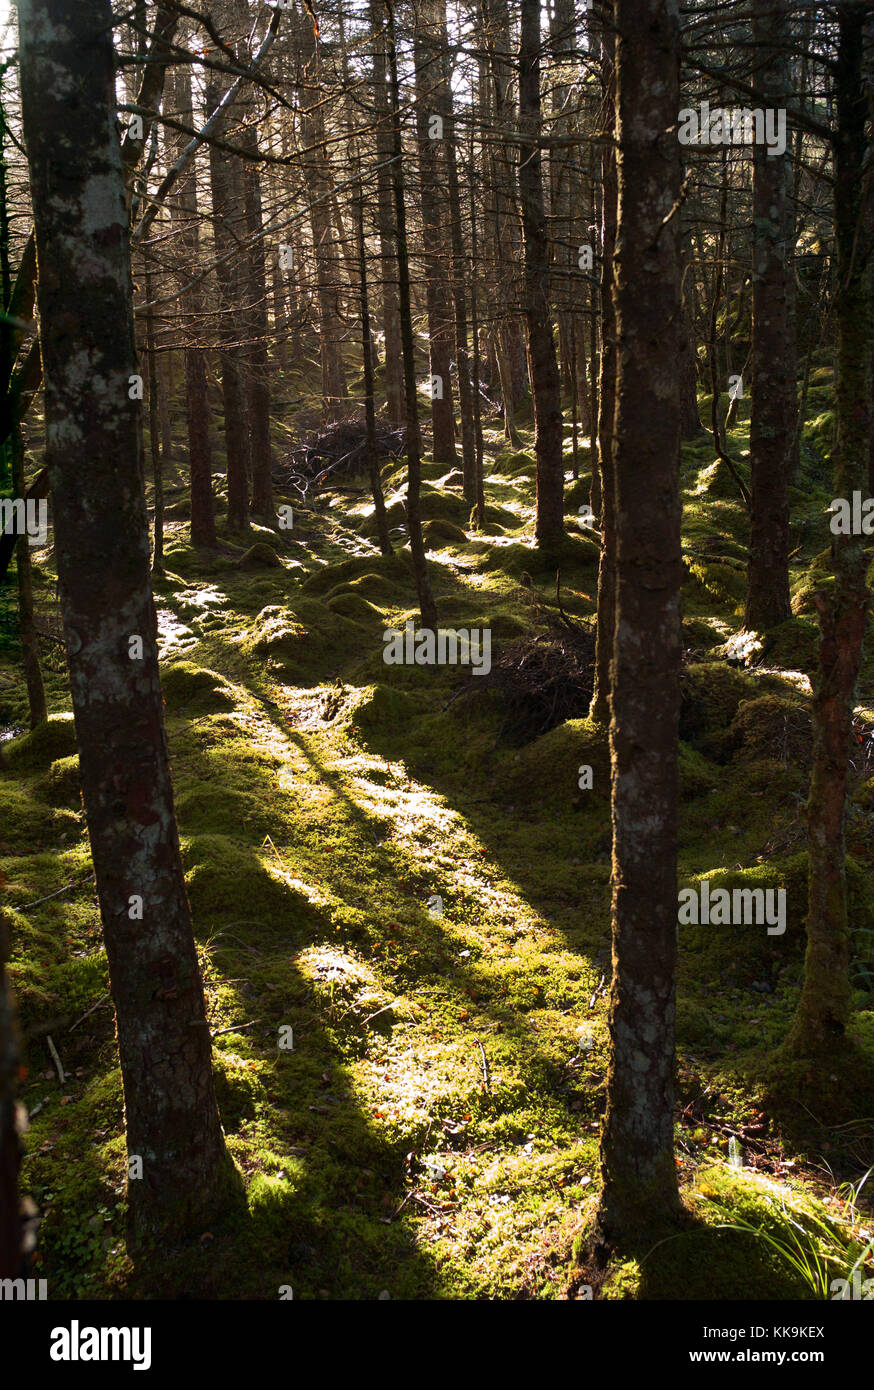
(434,1131)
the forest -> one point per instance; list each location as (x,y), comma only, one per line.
(436,709)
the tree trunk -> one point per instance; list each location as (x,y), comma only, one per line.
(196,401)
(774,391)
(427,606)
(12,1256)
(637,1158)
(317,172)
(824,1006)
(428,60)
(94,457)
(369,406)
(542,361)
(255,276)
(602,458)
(36,695)
(154,433)
(228,230)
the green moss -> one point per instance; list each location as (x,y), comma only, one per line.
(193,689)
(439,532)
(56,738)
(61,785)
(711,694)
(260,556)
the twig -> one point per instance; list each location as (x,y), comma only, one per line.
(235,1028)
(56,1059)
(102,998)
(76,883)
(383,1010)
(397,1211)
(485,1066)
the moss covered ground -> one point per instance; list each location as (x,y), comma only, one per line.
(427,907)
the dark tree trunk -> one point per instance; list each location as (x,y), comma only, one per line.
(196,400)
(258,371)
(154,433)
(228,230)
(369,405)
(637,1158)
(11,1242)
(36,695)
(427,606)
(824,1006)
(602,465)
(774,398)
(14,448)
(466,388)
(94,457)
(391,322)
(542,361)
(317,172)
(428,60)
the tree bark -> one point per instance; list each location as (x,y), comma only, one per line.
(602,466)
(12,1256)
(774,391)
(369,405)
(228,230)
(391,322)
(637,1159)
(427,606)
(428,61)
(824,1006)
(542,361)
(196,401)
(95,462)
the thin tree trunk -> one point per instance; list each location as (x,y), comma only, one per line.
(14,447)
(637,1158)
(154,433)
(391,323)
(824,1006)
(427,606)
(94,457)
(369,407)
(774,391)
(602,465)
(542,361)
(196,400)
(428,61)
(12,1257)
(228,230)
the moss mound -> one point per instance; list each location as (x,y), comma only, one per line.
(710,695)
(547,770)
(231,884)
(770,726)
(56,738)
(61,786)
(187,688)
(258,557)
(439,533)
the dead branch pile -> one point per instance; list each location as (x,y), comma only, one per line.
(542,679)
(339,452)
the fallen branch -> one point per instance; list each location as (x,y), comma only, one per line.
(56,1059)
(487,1081)
(101,1000)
